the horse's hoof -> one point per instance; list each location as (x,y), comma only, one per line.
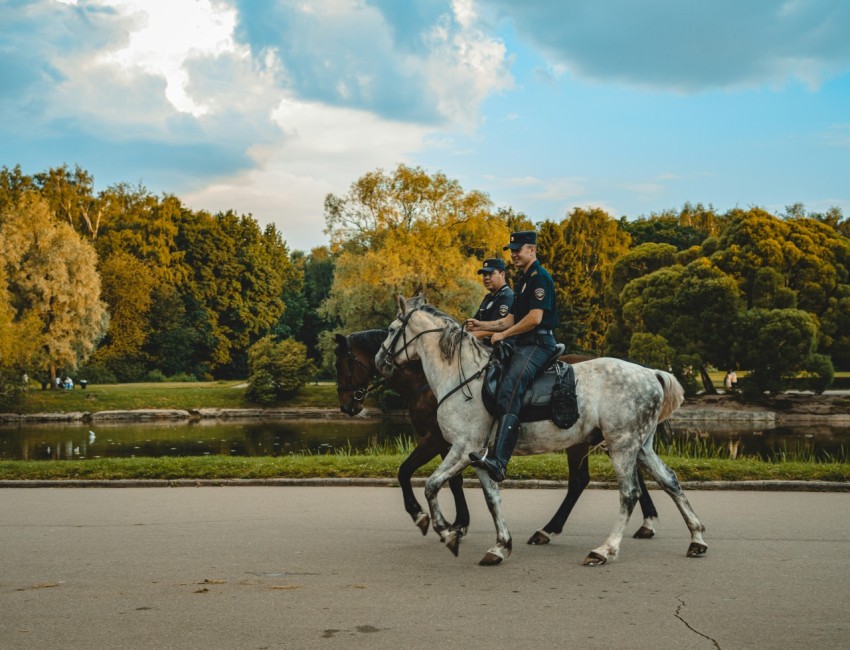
(540,538)
(423,521)
(490,559)
(452,541)
(696,549)
(644,532)
(594,559)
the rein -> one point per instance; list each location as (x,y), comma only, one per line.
(462,385)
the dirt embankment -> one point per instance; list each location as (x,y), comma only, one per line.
(790,407)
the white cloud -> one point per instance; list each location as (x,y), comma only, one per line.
(325,150)
(465,66)
(169,34)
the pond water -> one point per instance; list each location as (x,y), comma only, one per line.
(282,437)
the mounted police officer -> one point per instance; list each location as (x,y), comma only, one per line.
(498,301)
(528,326)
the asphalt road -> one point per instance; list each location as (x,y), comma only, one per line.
(344,567)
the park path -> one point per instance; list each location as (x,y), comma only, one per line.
(344,567)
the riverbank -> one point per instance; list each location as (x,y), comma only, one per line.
(787,409)
(378,465)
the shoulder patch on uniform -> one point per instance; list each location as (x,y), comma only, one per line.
(503,310)
(539,293)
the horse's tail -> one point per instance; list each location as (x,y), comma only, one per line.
(674,394)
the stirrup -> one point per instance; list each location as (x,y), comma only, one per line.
(478,457)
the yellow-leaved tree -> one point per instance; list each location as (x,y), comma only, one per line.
(53,286)
(408,232)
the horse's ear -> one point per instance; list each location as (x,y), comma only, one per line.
(402,304)
(417,301)
(341,341)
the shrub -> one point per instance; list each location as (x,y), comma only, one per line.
(820,373)
(155,376)
(277,370)
(97,373)
(183,376)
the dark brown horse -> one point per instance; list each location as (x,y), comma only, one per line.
(355,369)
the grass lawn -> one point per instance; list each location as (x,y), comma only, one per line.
(381,465)
(166,395)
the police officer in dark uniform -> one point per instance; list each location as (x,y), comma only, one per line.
(529,325)
(497,303)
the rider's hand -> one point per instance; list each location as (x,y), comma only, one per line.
(471,324)
(497,336)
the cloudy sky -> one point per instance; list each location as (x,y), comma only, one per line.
(265,106)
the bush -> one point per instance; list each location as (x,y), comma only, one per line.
(97,373)
(10,388)
(821,373)
(183,376)
(277,370)
(155,376)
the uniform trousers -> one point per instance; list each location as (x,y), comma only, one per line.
(530,353)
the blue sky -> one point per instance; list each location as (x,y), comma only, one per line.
(265,106)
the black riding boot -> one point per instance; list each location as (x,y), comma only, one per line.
(506,438)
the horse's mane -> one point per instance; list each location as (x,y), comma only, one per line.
(368,341)
(453,335)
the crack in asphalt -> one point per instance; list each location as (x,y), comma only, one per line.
(688,625)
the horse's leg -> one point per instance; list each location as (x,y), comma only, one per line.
(647,507)
(429,446)
(625,469)
(502,549)
(452,464)
(578,479)
(461,522)
(666,478)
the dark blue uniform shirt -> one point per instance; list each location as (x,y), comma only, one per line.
(536,291)
(496,306)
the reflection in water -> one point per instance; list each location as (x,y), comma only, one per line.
(282,437)
(231,438)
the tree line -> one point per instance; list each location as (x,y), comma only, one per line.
(124,285)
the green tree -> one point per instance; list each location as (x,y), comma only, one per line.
(128,285)
(233,288)
(774,345)
(809,267)
(302,318)
(593,242)
(694,309)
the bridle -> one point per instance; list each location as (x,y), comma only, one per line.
(389,356)
(359,393)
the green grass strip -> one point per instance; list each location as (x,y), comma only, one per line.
(376,465)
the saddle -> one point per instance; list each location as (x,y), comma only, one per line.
(551,396)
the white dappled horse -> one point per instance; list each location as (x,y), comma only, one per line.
(623,400)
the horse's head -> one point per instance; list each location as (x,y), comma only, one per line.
(404,330)
(353,373)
